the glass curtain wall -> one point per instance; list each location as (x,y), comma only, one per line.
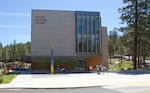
(87,32)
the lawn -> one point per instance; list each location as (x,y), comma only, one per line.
(116,65)
(7,78)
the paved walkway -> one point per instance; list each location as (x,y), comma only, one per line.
(76,80)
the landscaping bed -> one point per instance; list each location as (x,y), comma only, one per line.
(7,78)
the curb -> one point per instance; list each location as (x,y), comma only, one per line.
(52,88)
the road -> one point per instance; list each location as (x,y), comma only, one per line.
(126,89)
(132,89)
(75,90)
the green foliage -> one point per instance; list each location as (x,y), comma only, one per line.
(1,79)
(113,42)
(7,78)
(136,33)
(124,65)
(127,64)
(5,54)
(14,51)
(1,51)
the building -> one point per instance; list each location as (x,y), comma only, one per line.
(79,40)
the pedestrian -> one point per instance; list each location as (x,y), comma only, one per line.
(100,68)
(62,69)
(103,69)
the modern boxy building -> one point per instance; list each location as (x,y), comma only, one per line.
(79,40)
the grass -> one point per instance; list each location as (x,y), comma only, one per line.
(116,65)
(7,78)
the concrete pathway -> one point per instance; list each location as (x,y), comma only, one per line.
(76,80)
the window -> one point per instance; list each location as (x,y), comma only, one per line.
(87,32)
(92,34)
(84,41)
(79,33)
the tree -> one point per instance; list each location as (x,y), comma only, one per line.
(11,55)
(23,50)
(1,51)
(135,15)
(27,48)
(5,54)
(15,51)
(113,42)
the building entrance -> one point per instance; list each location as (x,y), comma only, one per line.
(81,65)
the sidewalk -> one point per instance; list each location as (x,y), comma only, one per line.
(76,80)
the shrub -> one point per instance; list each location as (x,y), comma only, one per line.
(7,78)
(1,78)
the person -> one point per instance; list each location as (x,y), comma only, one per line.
(100,68)
(62,69)
(103,69)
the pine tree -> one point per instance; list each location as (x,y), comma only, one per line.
(5,54)
(15,51)
(113,42)
(135,15)
(1,51)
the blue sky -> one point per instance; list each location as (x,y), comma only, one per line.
(15,15)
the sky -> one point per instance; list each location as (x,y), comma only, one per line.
(15,15)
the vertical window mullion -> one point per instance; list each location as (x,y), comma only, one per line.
(89,34)
(77,32)
(92,34)
(95,36)
(79,38)
(82,34)
(86,29)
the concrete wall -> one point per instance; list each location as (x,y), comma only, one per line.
(104,46)
(55,26)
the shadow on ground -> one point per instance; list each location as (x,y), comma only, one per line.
(129,72)
(30,72)
(134,72)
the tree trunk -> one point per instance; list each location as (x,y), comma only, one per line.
(135,36)
(144,60)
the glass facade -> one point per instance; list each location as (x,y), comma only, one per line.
(87,32)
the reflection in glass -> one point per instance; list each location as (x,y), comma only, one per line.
(87,32)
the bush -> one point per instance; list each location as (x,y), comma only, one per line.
(1,78)
(7,78)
